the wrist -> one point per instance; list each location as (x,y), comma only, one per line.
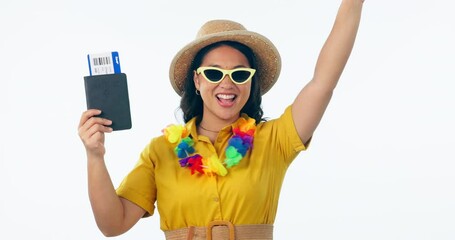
(95,157)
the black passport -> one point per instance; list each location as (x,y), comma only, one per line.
(109,93)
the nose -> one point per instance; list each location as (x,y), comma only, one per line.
(226,82)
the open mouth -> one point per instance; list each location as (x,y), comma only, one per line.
(226,99)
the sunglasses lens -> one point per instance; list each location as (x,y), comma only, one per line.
(240,76)
(213,74)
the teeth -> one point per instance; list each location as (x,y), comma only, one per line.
(225,96)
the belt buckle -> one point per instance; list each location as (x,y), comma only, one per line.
(221,223)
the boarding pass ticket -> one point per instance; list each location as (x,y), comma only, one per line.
(103,63)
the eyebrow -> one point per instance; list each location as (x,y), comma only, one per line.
(238,66)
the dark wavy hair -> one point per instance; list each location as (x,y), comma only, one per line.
(192,104)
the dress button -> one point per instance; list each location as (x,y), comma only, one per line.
(215,199)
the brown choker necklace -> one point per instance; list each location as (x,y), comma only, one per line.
(200,125)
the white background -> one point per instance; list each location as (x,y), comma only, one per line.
(381,164)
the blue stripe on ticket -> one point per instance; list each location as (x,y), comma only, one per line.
(116,62)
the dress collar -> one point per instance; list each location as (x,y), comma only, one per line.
(192,128)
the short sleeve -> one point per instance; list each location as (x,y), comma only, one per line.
(139,185)
(286,123)
(278,139)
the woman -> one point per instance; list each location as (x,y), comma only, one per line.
(219,175)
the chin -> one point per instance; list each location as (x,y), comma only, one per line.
(228,115)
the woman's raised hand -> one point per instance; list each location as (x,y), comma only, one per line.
(91,131)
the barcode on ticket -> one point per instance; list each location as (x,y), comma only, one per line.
(103,63)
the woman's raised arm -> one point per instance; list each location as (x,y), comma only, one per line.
(311,103)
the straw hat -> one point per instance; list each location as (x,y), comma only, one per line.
(268,61)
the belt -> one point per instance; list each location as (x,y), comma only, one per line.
(222,230)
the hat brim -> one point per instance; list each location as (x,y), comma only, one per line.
(268,60)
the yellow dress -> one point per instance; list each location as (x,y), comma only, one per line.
(248,194)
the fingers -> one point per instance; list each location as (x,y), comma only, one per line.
(88,114)
(90,124)
(88,118)
(96,125)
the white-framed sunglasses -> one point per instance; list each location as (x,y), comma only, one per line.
(237,75)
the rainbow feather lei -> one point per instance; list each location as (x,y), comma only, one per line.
(238,145)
